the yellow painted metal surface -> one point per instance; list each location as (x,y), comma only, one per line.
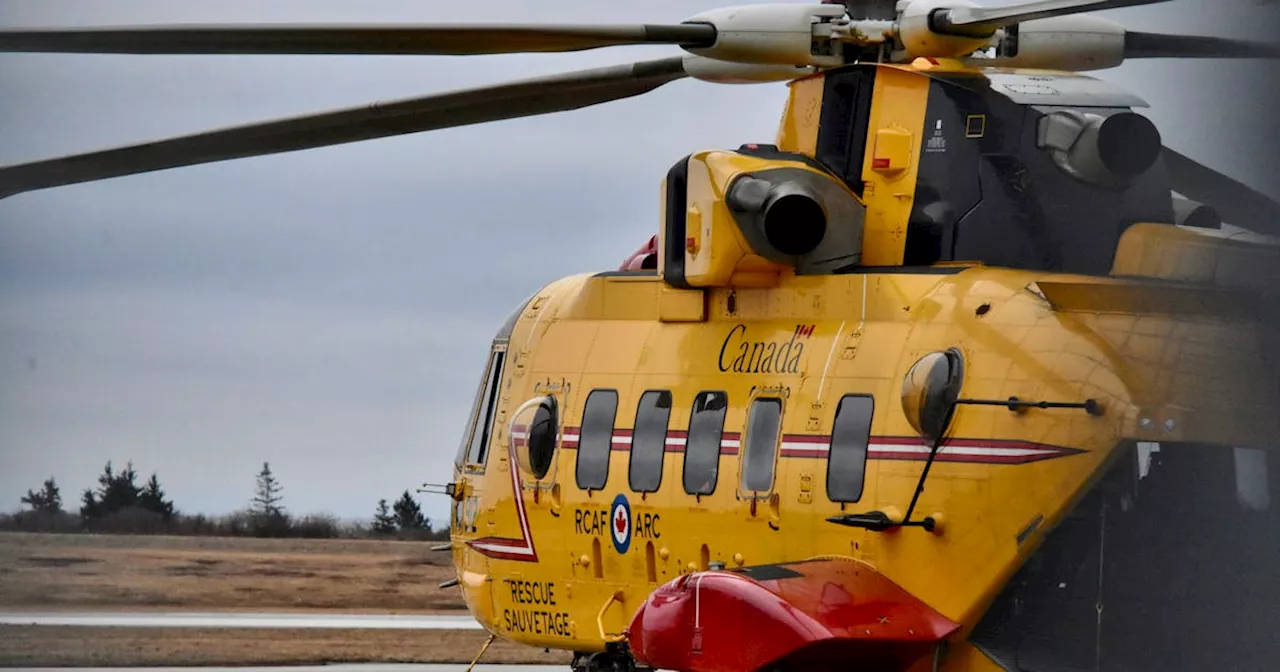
(895,135)
(811,341)
(716,252)
(721,250)
(1197,256)
(897,121)
(897,118)
(682,305)
(798,131)
(537,557)
(892,150)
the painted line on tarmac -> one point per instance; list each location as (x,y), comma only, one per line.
(346,667)
(240,620)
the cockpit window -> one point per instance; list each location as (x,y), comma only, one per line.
(473,448)
(465,443)
(482,414)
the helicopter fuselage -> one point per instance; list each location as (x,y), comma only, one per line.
(657,469)
(643,440)
(829,417)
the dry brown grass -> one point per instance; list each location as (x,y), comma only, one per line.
(36,646)
(77,571)
(109,572)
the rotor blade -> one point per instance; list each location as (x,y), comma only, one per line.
(1156,45)
(455,40)
(524,98)
(1238,204)
(985,20)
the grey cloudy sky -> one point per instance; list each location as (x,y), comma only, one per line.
(328,311)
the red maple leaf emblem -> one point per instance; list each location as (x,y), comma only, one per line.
(620,522)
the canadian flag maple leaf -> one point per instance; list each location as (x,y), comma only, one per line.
(620,522)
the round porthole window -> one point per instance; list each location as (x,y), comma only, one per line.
(535,428)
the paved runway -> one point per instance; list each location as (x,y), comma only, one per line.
(340,667)
(158,619)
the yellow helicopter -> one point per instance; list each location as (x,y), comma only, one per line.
(955,375)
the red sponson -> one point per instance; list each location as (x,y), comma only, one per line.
(815,615)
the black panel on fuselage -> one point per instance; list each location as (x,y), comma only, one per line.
(843,123)
(987,192)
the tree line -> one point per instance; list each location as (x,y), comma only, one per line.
(121,505)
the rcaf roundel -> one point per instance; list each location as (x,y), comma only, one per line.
(620,523)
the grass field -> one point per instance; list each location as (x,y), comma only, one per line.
(112,573)
(80,571)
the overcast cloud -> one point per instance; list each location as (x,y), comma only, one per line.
(329,311)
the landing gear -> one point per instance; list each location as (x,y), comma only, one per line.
(616,658)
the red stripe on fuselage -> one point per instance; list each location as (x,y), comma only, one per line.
(816,446)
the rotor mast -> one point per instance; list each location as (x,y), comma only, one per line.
(876,10)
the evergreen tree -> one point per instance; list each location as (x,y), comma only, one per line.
(152,499)
(409,516)
(266,500)
(266,514)
(115,492)
(383,521)
(89,508)
(48,500)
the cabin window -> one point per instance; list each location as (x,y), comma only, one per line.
(535,433)
(596,439)
(702,447)
(542,438)
(847,460)
(760,444)
(475,442)
(649,440)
